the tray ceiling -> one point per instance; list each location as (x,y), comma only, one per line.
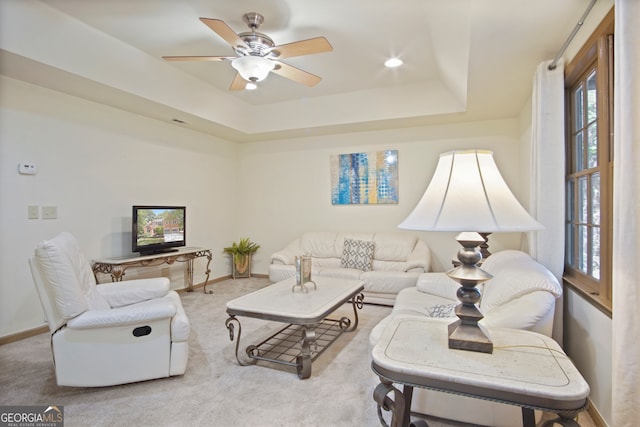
(463,59)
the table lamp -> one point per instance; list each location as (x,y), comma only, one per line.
(468,194)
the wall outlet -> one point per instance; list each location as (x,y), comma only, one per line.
(49,212)
(33,212)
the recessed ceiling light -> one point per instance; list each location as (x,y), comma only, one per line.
(251,86)
(393,62)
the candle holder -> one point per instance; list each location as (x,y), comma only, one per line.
(303,273)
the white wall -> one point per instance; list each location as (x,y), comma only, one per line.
(287,183)
(94,162)
(587,340)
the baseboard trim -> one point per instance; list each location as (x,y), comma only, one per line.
(221,279)
(595,415)
(209,283)
(24,334)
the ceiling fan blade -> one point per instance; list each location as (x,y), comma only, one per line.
(197,58)
(224,31)
(238,83)
(296,74)
(302,47)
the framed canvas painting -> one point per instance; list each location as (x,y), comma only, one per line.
(364,178)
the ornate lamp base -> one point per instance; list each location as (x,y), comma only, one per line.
(484,246)
(469,337)
(466,333)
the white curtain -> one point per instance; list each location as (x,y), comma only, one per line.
(546,190)
(626,218)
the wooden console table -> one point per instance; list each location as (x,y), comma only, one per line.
(526,369)
(116,267)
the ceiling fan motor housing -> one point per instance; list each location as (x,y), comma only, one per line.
(259,44)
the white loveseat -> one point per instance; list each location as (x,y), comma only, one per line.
(393,260)
(521,295)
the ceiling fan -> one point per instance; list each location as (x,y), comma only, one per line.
(257,55)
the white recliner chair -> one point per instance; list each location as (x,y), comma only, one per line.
(107,334)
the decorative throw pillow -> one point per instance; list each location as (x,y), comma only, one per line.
(357,254)
(442,310)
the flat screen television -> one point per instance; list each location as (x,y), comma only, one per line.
(158,229)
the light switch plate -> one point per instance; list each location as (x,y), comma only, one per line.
(33,212)
(49,212)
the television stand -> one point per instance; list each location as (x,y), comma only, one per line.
(159,252)
(116,267)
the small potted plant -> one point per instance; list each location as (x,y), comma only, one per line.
(241,253)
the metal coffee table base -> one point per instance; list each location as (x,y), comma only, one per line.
(296,345)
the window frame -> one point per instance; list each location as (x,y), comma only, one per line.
(596,54)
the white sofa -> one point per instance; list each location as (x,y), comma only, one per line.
(521,295)
(395,260)
(110,334)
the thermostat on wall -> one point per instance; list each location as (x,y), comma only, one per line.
(27,168)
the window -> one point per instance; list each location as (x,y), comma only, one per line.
(589,173)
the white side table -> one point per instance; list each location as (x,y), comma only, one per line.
(526,369)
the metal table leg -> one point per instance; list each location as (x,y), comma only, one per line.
(397,405)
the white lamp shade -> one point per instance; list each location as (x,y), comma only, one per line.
(467,193)
(253,68)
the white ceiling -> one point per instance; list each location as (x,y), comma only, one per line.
(463,59)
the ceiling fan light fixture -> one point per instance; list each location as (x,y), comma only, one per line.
(251,86)
(253,68)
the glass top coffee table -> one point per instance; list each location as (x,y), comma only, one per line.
(308,331)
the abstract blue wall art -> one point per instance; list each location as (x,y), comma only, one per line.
(364,178)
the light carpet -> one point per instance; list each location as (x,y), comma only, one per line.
(215,390)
